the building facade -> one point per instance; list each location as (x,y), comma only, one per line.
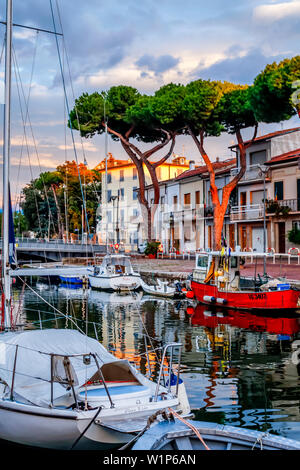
(184,219)
(272,175)
(119,214)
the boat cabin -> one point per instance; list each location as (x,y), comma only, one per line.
(114,265)
(222,269)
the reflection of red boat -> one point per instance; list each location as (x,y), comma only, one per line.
(245,320)
(217,281)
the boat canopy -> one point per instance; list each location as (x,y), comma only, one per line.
(38,359)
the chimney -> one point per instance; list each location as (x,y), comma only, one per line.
(192,165)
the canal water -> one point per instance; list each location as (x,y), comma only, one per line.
(238,368)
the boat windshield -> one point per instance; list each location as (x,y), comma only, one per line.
(116,261)
(202,261)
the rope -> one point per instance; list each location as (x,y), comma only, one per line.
(190,426)
(259,440)
(150,420)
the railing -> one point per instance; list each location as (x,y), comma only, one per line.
(250,212)
(276,206)
(253,172)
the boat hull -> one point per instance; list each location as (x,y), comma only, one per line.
(248,300)
(61,429)
(54,429)
(115,283)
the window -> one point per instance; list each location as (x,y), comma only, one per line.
(108,178)
(121,194)
(197,197)
(258,158)
(121,175)
(134,173)
(122,216)
(109,195)
(202,261)
(296,224)
(187,199)
(278,190)
(135,212)
(175,201)
(134,193)
(108,214)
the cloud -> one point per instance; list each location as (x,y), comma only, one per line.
(237,66)
(277,11)
(157,65)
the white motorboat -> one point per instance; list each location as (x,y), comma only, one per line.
(115,273)
(61,389)
(160,289)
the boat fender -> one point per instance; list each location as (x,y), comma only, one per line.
(209,298)
(190,294)
(221,301)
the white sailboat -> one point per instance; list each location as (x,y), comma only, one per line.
(59,388)
(115,274)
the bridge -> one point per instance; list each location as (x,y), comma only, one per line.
(54,250)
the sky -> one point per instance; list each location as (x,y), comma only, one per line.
(143,44)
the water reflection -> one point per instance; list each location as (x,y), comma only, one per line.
(237,367)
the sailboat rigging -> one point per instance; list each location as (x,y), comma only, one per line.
(59,388)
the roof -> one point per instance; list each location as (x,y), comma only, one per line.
(270,136)
(285,157)
(221,166)
(114,164)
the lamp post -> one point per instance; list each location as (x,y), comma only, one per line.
(263,172)
(113,198)
(171,230)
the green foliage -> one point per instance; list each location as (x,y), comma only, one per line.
(152,248)
(20,223)
(271,94)
(294,236)
(274,207)
(235,111)
(39,199)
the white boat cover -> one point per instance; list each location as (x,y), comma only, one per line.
(33,361)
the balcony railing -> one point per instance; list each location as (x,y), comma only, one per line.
(253,172)
(285,205)
(250,212)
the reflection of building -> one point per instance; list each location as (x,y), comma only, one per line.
(278,151)
(120,213)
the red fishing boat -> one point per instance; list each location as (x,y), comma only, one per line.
(216,280)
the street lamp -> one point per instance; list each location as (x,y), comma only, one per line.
(263,172)
(171,230)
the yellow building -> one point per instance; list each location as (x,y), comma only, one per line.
(119,214)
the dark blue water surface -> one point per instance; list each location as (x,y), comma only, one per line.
(238,368)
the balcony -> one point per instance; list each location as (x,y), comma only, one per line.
(282,207)
(179,216)
(247,213)
(252,173)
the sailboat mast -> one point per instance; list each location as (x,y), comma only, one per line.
(6,167)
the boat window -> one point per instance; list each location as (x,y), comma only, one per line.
(233,262)
(202,261)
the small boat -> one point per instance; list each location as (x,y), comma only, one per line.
(71,280)
(161,289)
(60,389)
(114,274)
(216,280)
(200,435)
